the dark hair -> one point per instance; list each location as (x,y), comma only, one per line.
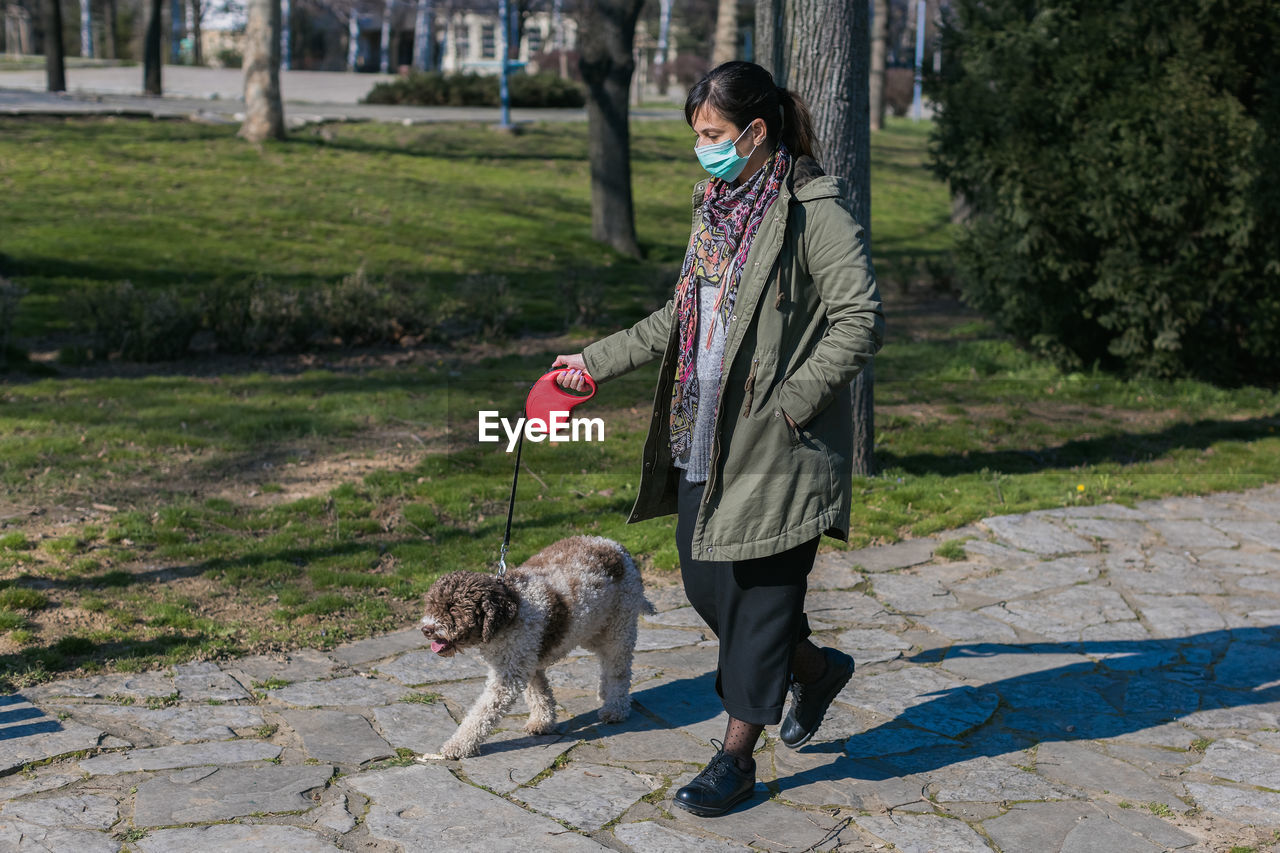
(743,92)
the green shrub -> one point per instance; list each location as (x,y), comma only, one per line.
(136,325)
(435,89)
(1122,163)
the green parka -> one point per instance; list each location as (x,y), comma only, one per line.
(806,319)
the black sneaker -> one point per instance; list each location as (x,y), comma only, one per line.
(809,702)
(719,787)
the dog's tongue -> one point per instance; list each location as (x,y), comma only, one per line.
(437,646)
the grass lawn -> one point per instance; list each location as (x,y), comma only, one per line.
(205,508)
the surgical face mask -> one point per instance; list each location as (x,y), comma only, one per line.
(722,160)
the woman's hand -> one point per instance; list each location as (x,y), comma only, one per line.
(573,379)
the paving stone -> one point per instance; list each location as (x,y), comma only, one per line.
(924,698)
(652,639)
(362,652)
(850,608)
(991,663)
(203,681)
(1197,508)
(1153,829)
(909,593)
(1064,615)
(45,738)
(967,625)
(1241,761)
(334,815)
(1268,584)
(871,645)
(18,835)
(1118,531)
(301,665)
(1248,666)
(1037,535)
(890,739)
(1179,615)
(1104,510)
(36,781)
(1241,561)
(821,775)
(978,779)
(687,660)
(583,673)
(82,811)
(587,796)
(508,759)
(1244,717)
(226,793)
(1239,804)
(349,691)
(1038,826)
(337,736)
(666,596)
(639,739)
(1165,573)
(652,837)
(900,555)
(923,833)
(1190,535)
(426,667)
(768,824)
(145,685)
(159,726)
(1077,693)
(1096,832)
(425,808)
(681,617)
(1016,583)
(1001,556)
(1265,533)
(242,838)
(1078,765)
(1130,657)
(690,704)
(422,728)
(185,755)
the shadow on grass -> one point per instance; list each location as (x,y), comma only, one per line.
(1124,448)
(50,660)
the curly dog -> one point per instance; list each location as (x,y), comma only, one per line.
(582,591)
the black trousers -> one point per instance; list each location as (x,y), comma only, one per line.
(756,609)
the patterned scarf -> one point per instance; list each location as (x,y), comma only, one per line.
(730,218)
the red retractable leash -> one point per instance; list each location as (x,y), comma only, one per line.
(545,396)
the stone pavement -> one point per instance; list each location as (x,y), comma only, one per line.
(1085,680)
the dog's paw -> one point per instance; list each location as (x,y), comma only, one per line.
(540,727)
(452,752)
(614,715)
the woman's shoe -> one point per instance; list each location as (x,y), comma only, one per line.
(718,788)
(809,702)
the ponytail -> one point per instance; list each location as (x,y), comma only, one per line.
(743,92)
(797,125)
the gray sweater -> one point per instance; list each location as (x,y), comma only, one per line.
(697,462)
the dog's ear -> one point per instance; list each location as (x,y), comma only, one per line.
(499,606)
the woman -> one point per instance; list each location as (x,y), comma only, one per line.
(776,310)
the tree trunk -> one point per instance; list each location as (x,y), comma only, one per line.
(879,38)
(263,111)
(110,44)
(197,49)
(726,46)
(822,53)
(353,39)
(607,30)
(86,29)
(664,37)
(55,66)
(151,54)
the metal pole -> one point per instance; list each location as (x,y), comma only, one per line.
(917,90)
(423,37)
(503,91)
(86,30)
(284,35)
(384,46)
(177,29)
(353,39)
